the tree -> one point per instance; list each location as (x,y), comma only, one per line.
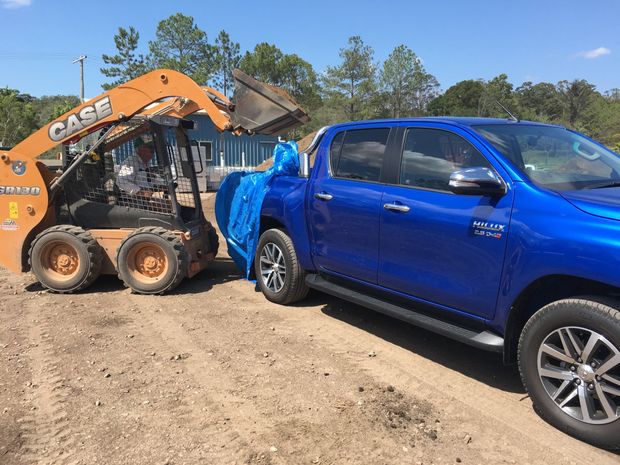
(263,63)
(227,58)
(50,107)
(406,85)
(269,64)
(575,96)
(496,90)
(538,102)
(17,117)
(353,83)
(462,99)
(126,64)
(181,45)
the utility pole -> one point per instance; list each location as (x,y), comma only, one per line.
(81,61)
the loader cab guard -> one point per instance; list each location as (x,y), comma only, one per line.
(97,197)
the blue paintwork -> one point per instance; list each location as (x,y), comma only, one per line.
(430,254)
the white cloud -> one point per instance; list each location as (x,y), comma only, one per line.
(597,52)
(14,4)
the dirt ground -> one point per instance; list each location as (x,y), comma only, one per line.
(215,374)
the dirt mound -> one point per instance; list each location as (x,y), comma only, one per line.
(302,144)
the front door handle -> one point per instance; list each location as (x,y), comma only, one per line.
(395,207)
(323,196)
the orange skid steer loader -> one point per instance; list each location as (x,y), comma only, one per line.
(140,218)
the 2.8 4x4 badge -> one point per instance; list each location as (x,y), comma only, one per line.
(19,167)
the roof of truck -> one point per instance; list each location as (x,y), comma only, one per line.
(458,120)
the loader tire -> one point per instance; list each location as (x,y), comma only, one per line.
(65,258)
(214,240)
(152,260)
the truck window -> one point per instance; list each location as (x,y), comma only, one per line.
(430,156)
(361,154)
(334,151)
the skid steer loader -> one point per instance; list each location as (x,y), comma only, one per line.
(70,226)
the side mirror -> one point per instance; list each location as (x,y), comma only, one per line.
(304,165)
(476,181)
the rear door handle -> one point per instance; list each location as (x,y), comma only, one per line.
(395,207)
(323,196)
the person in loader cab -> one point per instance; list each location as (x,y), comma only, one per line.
(140,186)
(135,177)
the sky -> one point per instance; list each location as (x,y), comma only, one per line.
(544,40)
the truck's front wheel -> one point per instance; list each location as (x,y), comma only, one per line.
(278,273)
(569,358)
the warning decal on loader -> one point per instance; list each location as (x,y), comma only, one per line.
(13,211)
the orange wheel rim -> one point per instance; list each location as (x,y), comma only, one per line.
(60,261)
(147,262)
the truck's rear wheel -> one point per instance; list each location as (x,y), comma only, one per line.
(152,260)
(569,358)
(278,273)
(65,258)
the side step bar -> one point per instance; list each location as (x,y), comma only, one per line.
(483,340)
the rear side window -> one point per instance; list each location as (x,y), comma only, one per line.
(334,151)
(360,154)
(430,156)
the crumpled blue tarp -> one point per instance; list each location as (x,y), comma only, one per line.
(239,201)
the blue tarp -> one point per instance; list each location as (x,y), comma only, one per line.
(239,201)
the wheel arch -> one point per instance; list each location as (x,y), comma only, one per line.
(267,223)
(541,292)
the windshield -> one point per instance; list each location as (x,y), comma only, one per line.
(554,157)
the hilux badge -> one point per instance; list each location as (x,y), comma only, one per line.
(485,229)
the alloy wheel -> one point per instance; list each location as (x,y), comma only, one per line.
(272,267)
(580,371)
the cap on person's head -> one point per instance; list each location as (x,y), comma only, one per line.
(139,142)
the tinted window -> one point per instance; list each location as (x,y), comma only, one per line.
(554,157)
(430,156)
(334,151)
(361,155)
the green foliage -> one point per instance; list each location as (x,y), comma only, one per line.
(353,83)
(263,63)
(575,97)
(17,117)
(50,107)
(496,90)
(407,87)
(181,45)
(226,58)
(269,64)
(539,102)
(462,99)
(126,64)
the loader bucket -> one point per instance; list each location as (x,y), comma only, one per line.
(264,109)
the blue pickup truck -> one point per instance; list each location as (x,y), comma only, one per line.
(501,234)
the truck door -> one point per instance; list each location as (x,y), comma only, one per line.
(344,203)
(435,245)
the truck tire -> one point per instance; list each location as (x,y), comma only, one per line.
(65,258)
(278,273)
(152,260)
(569,359)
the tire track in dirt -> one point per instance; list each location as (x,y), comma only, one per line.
(224,426)
(47,431)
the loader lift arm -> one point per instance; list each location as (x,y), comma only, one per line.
(117,105)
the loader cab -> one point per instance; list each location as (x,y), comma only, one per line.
(121,186)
